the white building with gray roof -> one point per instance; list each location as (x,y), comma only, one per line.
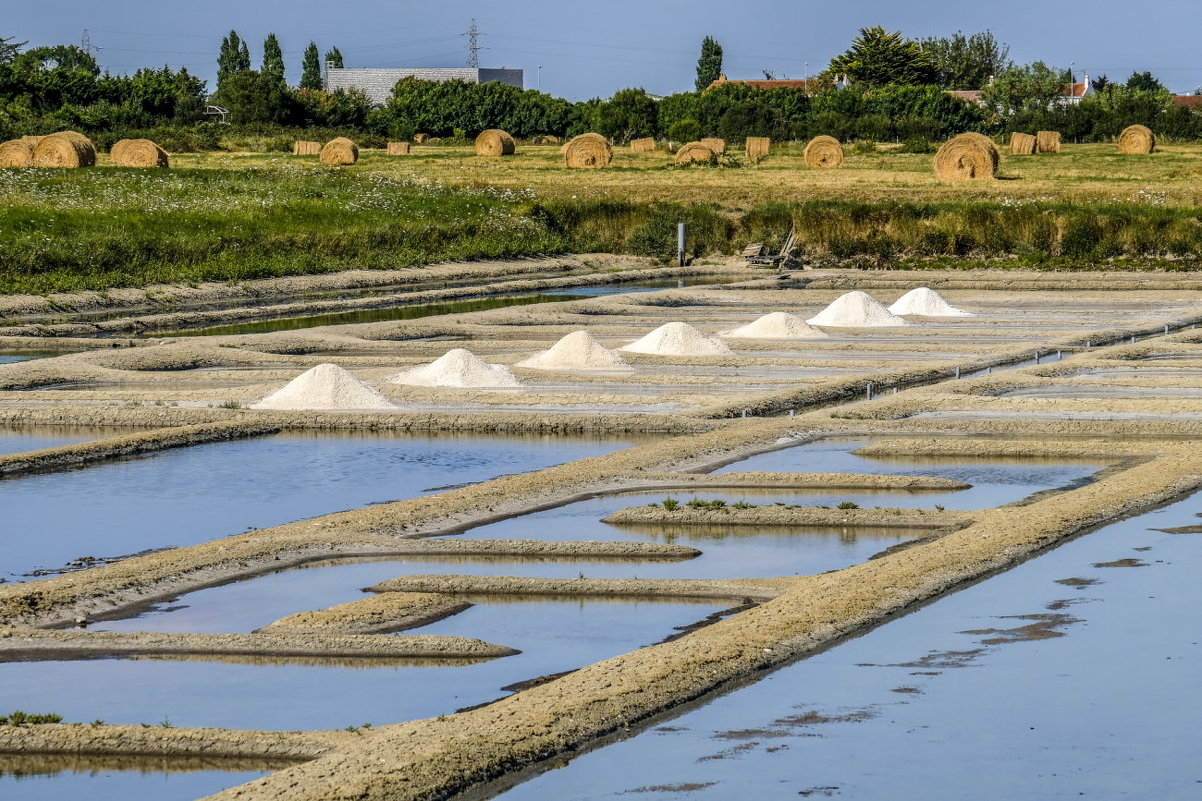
(377,83)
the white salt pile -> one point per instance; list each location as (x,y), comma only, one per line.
(925,302)
(578,350)
(323,388)
(678,339)
(777,325)
(856,310)
(459,368)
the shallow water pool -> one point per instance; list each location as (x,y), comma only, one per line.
(1070,676)
(190,495)
(42,778)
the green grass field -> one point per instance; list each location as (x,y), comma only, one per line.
(231,217)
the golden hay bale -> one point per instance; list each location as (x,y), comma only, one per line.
(16,154)
(138,153)
(421,138)
(587,150)
(644,145)
(757,147)
(1022,144)
(340,151)
(302,148)
(398,148)
(494,142)
(32,141)
(696,153)
(64,149)
(549,140)
(824,152)
(715,144)
(1137,139)
(966,157)
(1047,141)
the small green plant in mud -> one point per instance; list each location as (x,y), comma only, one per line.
(742,505)
(848,505)
(19,718)
(709,506)
(670,504)
(230,404)
(939,507)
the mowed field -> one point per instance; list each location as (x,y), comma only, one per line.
(238,216)
(1078,174)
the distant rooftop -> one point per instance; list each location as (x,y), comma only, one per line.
(377,82)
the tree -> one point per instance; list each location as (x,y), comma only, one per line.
(273,61)
(233,57)
(1030,87)
(311,68)
(879,58)
(709,65)
(334,57)
(1100,83)
(9,49)
(1145,82)
(966,62)
(629,114)
(253,97)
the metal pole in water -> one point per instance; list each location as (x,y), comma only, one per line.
(746,411)
(792,412)
(680,243)
(1058,356)
(868,391)
(1088,344)
(1037,357)
(1133,339)
(957,371)
(1166,328)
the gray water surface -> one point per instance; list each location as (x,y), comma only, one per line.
(1069,676)
(36,779)
(190,495)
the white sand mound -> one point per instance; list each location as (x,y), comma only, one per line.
(678,339)
(925,302)
(576,351)
(856,310)
(777,325)
(325,387)
(458,368)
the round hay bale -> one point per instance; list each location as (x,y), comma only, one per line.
(1137,139)
(824,152)
(16,153)
(398,149)
(715,144)
(549,140)
(1047,141)
(305,148)
(32,141)
(139,153)
(64,149)
(587,150)
(494,142)
(421,138)
(643,145)
(340,151)
(1022,144)
(695,153)
(967,157)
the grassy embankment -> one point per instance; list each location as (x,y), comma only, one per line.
(239,216)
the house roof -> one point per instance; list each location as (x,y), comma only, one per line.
(803,85)
(1187,101)
(1074,89)
(971,95)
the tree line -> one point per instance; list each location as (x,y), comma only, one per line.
(884,87)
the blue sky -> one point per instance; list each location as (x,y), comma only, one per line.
(595,49)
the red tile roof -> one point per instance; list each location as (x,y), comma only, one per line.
(1074,89)
(1187,101)
(803,85)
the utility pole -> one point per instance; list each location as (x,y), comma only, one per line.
(85,44)
(473,46)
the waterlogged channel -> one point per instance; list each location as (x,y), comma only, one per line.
(42,778)
(18,439)
(1073,675)
(413,311)
(167,499)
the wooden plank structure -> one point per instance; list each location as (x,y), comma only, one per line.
(756,256)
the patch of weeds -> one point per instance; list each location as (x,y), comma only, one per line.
(19,718)
(230,404)
(708,506)
(848,505)
(670,504)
